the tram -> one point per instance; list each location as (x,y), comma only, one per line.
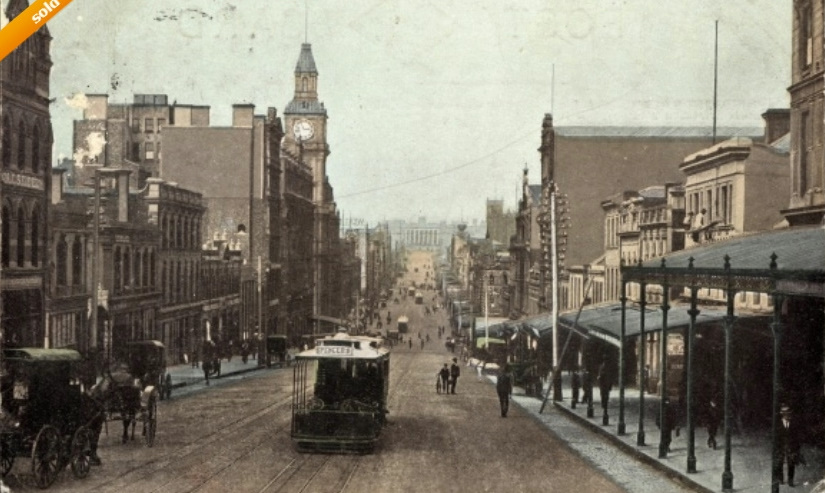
(339,400)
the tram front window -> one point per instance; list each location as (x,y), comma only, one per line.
(347,379)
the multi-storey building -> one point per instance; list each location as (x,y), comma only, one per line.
(306,127)
(526,296)
(25,162)
(807,187)
(178,214)
(295,239)
(69,239)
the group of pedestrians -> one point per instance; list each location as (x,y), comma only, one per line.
(447,377)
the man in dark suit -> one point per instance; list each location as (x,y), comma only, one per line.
(787,441)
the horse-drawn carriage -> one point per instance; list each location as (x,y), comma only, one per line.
(132,385)
(45,417)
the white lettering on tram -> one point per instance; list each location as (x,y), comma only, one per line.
(334,350)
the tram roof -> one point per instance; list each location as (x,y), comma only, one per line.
(345,346)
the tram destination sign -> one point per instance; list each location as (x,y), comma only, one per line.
(334,350)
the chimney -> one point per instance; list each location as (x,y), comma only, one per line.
(242,115)
(121,177)
(57,185)
(777,123)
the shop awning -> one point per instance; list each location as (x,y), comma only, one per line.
(488,341)
(745,263)
(605,321)
(332,320)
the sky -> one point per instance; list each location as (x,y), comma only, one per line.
(433,106)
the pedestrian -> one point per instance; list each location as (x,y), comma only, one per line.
(455,372)
(444,378)
(667,422)
(712,418)
(587,387)
(605,385)
(92,410)
(576,383)
(422,344)
(646,379)
(410,341)
(504,388)
(787,445)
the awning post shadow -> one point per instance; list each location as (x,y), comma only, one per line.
(730,319)
(691,425)
(640,435)
(621,428)
(664,414)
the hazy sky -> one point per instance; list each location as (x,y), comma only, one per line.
(433,106)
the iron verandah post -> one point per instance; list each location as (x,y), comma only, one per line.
(621,427)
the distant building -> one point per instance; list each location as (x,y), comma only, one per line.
(501,225)
(588,162)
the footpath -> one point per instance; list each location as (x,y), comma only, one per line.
(184,375)
(750,453)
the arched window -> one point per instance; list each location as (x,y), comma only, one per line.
(62,261)
(137,264)
(144,271)
(127,265)
(36,150)
(164,232)
(6,143)
(163,278)
(6,242)
(152,280)
(21,237)
(21,146)
(118,271)
(304,84)
(35,238)
(77,262)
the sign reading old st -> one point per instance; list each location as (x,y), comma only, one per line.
(22,180)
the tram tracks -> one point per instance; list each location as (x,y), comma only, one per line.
(121,481)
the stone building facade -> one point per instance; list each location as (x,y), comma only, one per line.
(25,175)
(807,187)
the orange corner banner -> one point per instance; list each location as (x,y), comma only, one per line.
(30,20)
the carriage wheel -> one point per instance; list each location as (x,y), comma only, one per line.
(150,422)
(46,456)
(81,452)
(7,457)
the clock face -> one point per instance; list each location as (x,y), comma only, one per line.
(303,130)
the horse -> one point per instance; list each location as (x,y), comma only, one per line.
(119,394)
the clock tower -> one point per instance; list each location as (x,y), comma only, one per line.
(306,122)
